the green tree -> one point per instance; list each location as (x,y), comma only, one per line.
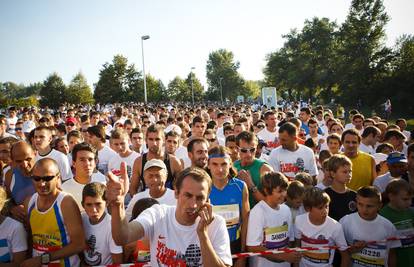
(118,82)
(78,91)
(178,89)
(362,52)
(252,89)
(221,66)
(52,92)
(198,89)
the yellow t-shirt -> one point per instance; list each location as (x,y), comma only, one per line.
(361,171)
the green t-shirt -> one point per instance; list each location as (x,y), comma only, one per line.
(404,222)
(254,170)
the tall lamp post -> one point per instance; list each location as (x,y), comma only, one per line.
(191,79)
(221,90)
(144,37)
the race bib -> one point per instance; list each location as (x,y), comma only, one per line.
(276,237)
(405,229)
(321,256)
(231,213)
(373,255)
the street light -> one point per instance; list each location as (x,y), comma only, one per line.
(221,90)
(191,79)
(144,37)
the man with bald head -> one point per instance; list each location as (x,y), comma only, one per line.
(18,184)
(54,219)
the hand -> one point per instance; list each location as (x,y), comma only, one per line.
(32,262)
(117,187)
(206,215)
(18,213)
(246,177)
(357,246)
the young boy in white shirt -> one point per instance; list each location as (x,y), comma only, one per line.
(316,229)
(270,224)
(367,232)
(101,249)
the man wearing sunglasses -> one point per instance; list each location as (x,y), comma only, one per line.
(249,168)
(71,124)
(54,218)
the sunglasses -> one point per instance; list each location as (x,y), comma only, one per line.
(245,150)
(70,124)
(18,129)
(43,178)
(212,140)
(260,126)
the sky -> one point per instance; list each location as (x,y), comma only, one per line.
(45,36)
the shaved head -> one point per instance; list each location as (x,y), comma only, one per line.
(21,147)
(46,165)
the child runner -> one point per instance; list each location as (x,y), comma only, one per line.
(316,229)
(399,213)
(365,226)
(294,199)
(270,224)
(101,248)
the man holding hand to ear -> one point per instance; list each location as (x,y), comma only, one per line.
(186,235)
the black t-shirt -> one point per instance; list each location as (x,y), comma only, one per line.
(341,203)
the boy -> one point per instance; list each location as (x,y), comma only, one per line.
(399,213)
(366,225)
(342,198)
(101,248)
(316,229)
(294,199)
(327,179)
(270,225)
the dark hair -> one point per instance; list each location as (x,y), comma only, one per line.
(153,128)
(312,121)
(358,116)
(172,134)
(273,180)
(135,130)
(83,147)
(383,146)
(43,127)
(74,133)
(337,161)
(119,134)
(295,189)
(315,197)
(350,132)
(369,192)
(393,133)
(194,141)
(371,130)
(222,150)
(98,131)
(8,140)
(268,114)
(288,127)
(247,137)
(410,149)
(396,186)
(197,119)
(230,138)
(324,155)
(310,143)
(141,205)
(94,189)
(334,136)
(197,174)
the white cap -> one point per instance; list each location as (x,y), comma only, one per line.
(155,163)
(379,157)
(173,127)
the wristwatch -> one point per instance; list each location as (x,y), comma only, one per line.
(253,189)
(45,258)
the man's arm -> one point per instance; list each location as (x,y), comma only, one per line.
(392,258)
(122,232)
(16,211)
(247,178)
(117,258)
(136,173)
(175,165)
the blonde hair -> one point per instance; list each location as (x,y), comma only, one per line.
(337,161)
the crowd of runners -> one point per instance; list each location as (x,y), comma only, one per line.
(177,185)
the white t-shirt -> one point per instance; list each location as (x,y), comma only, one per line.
(173,243)
(115,162)
(13,239)
(382,181)
(62,161)
(104,155)
(100,244)
(271,139)
(292,162)
(329,233)
(367,149)
(75,189)
(379,229)
(270,228)
(167,199)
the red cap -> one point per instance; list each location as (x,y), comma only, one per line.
(71,120)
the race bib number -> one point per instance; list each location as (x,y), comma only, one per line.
(231,213)
(373,255)
(321,256)
(276,237)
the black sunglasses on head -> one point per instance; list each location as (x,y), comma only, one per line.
(43,178)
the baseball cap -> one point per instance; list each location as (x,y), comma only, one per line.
(396,157)
(155,163)
(71,120)
(379,157)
